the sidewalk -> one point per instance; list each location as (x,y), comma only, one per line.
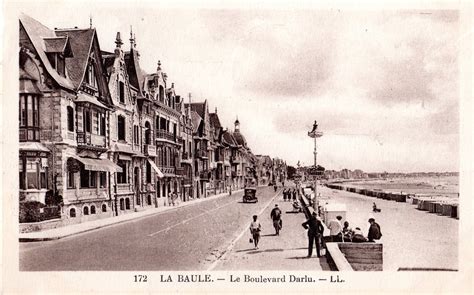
(287,251)
(65,231)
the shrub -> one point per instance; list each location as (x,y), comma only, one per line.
(30,211)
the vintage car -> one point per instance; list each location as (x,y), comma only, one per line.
(250,195)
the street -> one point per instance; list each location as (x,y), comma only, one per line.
(187,238)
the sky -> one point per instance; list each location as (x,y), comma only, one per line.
(382,84)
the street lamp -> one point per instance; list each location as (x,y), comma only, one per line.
(315,134)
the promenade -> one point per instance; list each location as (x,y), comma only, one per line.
(411,238)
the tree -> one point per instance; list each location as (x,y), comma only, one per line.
(290,171)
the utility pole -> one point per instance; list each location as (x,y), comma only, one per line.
(315,134)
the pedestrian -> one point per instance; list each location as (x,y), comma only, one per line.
(315,233)
(275,215)
(255,228)
(294,195)
(275,187)
(347,232)
(335,229)
(230,190)
(284,195)
(374,231)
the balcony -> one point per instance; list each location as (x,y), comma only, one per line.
(201,153)
(92,140)
(180,171)
(165,135)
(149,150)
(187,181)
(219,158)
(204,175)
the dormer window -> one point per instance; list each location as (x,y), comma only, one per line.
(90,75)
(57,62)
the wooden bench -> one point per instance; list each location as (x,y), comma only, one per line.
(355,256)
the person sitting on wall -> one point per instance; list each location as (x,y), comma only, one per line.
(347,232)
(374,231)
(358,236)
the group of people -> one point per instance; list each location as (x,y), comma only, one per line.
(289,194)
(339,233)
(256,227)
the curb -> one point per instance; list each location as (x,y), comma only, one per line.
(184,204)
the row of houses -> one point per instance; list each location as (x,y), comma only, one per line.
(102,137)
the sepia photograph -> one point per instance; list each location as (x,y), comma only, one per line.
(263,145)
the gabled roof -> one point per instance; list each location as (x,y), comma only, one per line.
(239,138)
(214,120)
(135,73)
(198,107)
(58,45)
(36,33)
(196,121)
(81,42)
(228,139)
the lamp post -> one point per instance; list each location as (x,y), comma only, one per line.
(315,134)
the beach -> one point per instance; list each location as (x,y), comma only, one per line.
(411,238)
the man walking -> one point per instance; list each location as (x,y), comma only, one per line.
(255,228)
(275,215)
(315,232)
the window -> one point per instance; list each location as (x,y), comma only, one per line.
(122,204)
(136,134)
(86,210)
(121,127)
(92,209)
(122,177)
(127,204)
(87,121)
(101,124)
(162,94)
(70,180)
(72,212)
(70,119)
(103,179)
(104,208)
(121,91)
(138,200)
(29,117)
(35,174)
(60,65)
(148,172)
(158,189)
(88,178)
(147,133)
(90,75)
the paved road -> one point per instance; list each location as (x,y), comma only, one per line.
(187,238)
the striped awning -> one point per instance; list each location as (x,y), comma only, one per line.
(99,164)
(157,170)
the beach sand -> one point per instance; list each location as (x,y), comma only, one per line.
(411,238)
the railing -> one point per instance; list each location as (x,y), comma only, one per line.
(163,134)
(180,171)
(204,175)
(123,187)
(150,150)
(200,153)
(186,156)
(85,138)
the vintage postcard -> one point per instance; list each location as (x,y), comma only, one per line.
(211,147)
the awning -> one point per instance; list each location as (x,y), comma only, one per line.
(157,170)
(99,164)
(82,97)
(33,146)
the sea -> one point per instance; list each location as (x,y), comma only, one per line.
(443,186)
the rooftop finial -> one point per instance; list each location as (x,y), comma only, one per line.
(132,38)
(90,21)
(159,66)
(118,40)
(134,41)
(215,110)
(172,85)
